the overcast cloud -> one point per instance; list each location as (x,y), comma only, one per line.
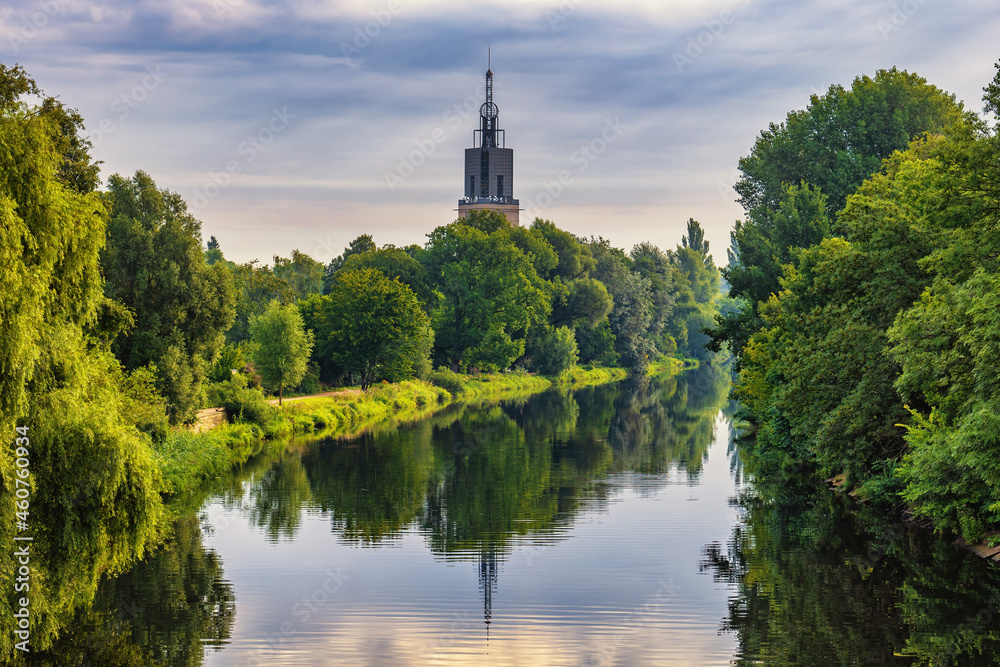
(304,124)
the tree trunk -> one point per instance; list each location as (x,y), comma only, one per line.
(280,388)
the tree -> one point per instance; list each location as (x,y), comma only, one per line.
(303,274)
(818,379)
(213,253)
(841,138)
(801,172)
(364,243)
(374,327)
(658,268)
(632,313)
(154,264)
(280,346)
(575,258)
(256,287)
(101,509)
(492,295)
(557,351)
(395,262)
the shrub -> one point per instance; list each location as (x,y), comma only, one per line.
(447,380)
(557,352)
(242,403)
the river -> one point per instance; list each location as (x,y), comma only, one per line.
(606,526)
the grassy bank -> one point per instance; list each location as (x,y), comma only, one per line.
(670,365)
(186,459)
(584,377)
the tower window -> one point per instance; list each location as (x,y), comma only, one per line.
(499,186)
(472,186)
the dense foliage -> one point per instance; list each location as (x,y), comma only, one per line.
(153,263)
(875,355)
(60,384)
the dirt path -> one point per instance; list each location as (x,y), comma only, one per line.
(209,418)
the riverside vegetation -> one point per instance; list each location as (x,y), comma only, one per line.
(868,281)
(117,324)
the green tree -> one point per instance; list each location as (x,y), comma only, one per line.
(154,264)
(658,268)
(101,507)
(800,173)
(213,253)
(817,378)
(280,346)
(303,274)
(256,287)
(364,243)
(575,258)
(841,138)
(632,313)
(376,327)
(557,352)
(395,262)
(492,295)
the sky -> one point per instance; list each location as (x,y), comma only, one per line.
(302,125)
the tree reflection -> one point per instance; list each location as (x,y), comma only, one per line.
(820,579)
(163,612)
(277,501)
(176,602)
(662,423)
(479,478)
(372,486)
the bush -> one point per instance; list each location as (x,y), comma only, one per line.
(557,352)
(447,380)
(242,403)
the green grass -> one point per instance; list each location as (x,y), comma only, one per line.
(579,376)
(187,458)
(669,366)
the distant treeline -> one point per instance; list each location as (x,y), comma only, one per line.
(481,295)
(867,269)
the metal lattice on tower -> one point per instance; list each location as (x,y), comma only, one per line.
(489,164)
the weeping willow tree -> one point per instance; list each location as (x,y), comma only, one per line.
(93,504)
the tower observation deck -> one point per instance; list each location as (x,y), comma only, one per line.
(489,165)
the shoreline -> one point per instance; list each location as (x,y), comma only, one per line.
(192,457)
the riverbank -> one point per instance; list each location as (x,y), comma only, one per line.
(188,458)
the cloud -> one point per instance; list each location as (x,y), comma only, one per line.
(369,83)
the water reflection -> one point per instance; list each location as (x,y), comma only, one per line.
(820,579)
(163,612)
(565,529)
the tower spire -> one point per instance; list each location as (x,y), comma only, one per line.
(489,164)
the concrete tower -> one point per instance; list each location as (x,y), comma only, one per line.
(489,165)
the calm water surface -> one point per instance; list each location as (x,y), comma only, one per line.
(603,527)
